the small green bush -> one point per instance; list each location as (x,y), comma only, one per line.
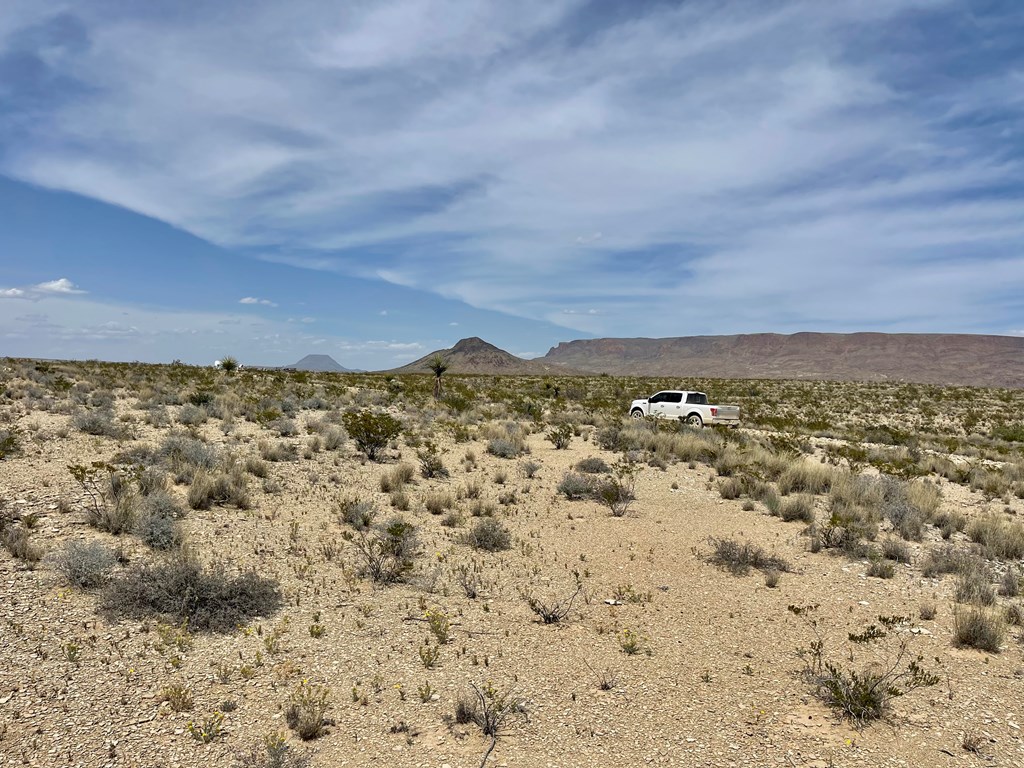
(576,486)
(371,431)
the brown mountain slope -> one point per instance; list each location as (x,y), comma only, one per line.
(962,359)
(474,355)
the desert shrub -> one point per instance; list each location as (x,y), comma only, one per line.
(530,469)
(1000,538)
(279,451)
(334,438)
(949,523)
(180,588)
(806,477)
(272,751)
(9,443)
(157,524)
(561,436)
(866,694)
(489,535)
(152,480)
(85,564)
(975,628)
(386,553)
(306,711)
(357,513)
(974,586)
(950,559)
(438,502)
(256,467)
(504,447)
(489,709)
(372,432)
(740,557)
(192,415)
(576,486)
(118,510)
(593,465)
(881,568)
(553,609)
(730,488)
(896,550)
(397,477)
(220,488)
(431,464)
(185,455)
(284,427)
(907,519)
(618,492)
(798,508)
(1009,585)
(17,540)
(99,422)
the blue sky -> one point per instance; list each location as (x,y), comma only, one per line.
(374,180)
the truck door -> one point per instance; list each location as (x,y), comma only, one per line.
(673,408)
(656,405)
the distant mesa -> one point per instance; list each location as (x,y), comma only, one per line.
(925,358)
(474,355)
(319,364)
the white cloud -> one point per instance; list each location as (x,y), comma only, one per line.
(254,300)
(59,287)
(722,166)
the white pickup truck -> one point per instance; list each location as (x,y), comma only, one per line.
(689,407)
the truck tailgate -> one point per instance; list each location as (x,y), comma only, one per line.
(727,414)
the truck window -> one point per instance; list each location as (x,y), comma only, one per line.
(697,398)
(673,397)
(658,398)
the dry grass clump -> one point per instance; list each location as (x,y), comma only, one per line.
(438,502)
(1000,539)
(117,511)
(397,477)
(730,488)
(223,488)
(180,588)
(806,477)
(739,557)
(798,508)
(593,465)
(16,538)
(974,586)
(976,628)
(100,423)
(279,451)
(951,559)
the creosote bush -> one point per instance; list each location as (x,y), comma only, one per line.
(179,587)
(371,431)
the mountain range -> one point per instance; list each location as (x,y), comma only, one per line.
(942,359)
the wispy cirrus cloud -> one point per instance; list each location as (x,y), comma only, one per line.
(678,167)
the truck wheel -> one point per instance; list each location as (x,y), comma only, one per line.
(636,413)
(694,420)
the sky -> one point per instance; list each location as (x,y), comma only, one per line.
(376,180)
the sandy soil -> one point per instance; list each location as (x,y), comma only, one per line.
(720,686)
